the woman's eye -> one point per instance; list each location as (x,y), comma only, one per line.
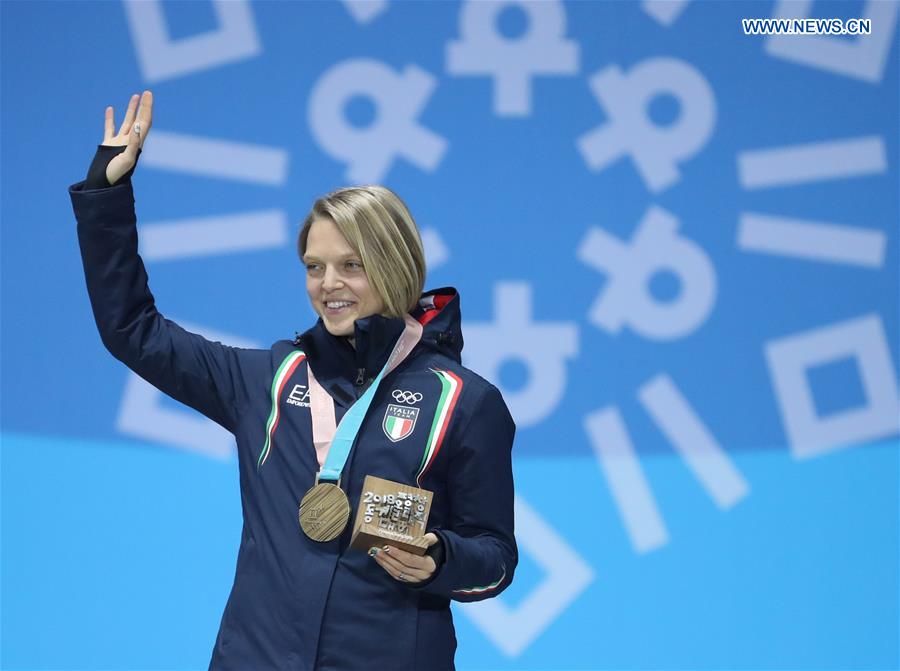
(312,267)
(353,265)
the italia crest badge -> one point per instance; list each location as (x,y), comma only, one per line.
(399,421)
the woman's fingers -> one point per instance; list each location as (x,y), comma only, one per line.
(129,115)
(404,566)
(145,113)
(109,126)
(409,560)
(135,137)
(398,571)
(132,134)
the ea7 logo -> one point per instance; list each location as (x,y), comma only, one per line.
(299,396)
(399,421)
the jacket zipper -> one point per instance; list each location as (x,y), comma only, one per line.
(359,382)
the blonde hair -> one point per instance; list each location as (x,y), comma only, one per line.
(376,223)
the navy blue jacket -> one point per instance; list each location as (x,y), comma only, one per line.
(297,603)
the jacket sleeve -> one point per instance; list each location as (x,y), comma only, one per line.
(480,553)
(207,376)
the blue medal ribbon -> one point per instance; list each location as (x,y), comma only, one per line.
(352,420)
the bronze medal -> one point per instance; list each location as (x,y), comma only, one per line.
(324,512)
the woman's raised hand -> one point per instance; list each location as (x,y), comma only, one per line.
(132,133)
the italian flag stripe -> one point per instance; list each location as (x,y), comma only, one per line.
(282,375)
(397,427)
(481,590)
(451,386)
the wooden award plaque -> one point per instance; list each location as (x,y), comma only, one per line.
(391,513)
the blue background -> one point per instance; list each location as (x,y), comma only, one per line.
(119,553)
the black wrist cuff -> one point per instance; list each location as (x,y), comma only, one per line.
(436,551)
(96,176)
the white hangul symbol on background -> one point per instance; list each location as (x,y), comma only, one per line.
(656,149)
(399,99)
(162,57)
(514,624)
(363,11)
(666,12)
(542,50)
(655,247)
(790,359)
(543,347)
(863,57)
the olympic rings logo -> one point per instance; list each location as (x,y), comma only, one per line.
(406,396)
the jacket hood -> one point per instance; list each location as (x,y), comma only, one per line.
(338,364)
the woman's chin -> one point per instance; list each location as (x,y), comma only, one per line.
(342,328)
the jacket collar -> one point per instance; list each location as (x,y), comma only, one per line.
(338,365)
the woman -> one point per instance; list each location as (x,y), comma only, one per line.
(301,601)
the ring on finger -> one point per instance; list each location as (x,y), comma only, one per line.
(401,577)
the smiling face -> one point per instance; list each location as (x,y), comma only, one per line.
(338,288)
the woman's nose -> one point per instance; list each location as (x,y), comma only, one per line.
(331,279)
